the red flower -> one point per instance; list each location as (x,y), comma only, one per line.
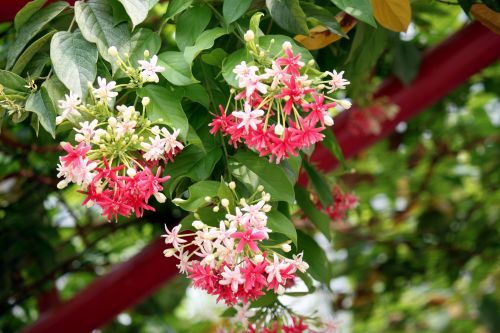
(248,236)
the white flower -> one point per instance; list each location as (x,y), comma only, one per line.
(86,131)
(233,278)
(330,326)
(113,51)
(254,216)
(274,270)
(183,262)
(242,71)
(235,220)
(299,263)
(155,150)
(170,139)
(172,237)
(149,69)
(78,173)
(328,120)
(337,81)
(126,112)
(344,103)
(276,73)
(104,93)
(249,36)
(125,127)
(68,105)
(249,118)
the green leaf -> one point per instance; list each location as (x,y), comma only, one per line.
(234,9)
(323,16)
(224,192)
(315,256)
(360,9)
(190,25)
(41,104)
(406,63)
(319,219)
(95,20)
(320,184)
(289,15)
(203,42)
(30,51)
(12,82)
(165,105)
(278,222)
(56,89)
(74,61)
(291,166)
(177,70)
(26,12)
(31,28)
(143,39)
(254,24)
(137,10)
(215,57)
(253,171)
(265,300)
(175,7)
(330,143)
(197,194)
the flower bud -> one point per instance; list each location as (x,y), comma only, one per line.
(281,290)
(112,121)
(243,201)
(311,62)
(224,202)
(79,137)
(328,120)
(232,185)
(90,204)
(249,36)
(131,172)
(266,208)
(279,129)
(266,196)
(112,51)
(258,259)
(286,45)
(344,103)
(160,197)
(145,101)
(215,209)
(286,247)
(62,184)
(208,199)
(146,54)
(169,252)
(260,188)
(197,224)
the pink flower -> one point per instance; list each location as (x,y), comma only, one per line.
(172,237)
(248,236)
(232,277)
(75,156)
(249,118)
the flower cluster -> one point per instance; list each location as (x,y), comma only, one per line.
(342,203)
(231,260)
(279,108)
(116,149)
(369,121)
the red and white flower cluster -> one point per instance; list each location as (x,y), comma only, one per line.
(116,151)
(279,108)
(230,260)
(342,203)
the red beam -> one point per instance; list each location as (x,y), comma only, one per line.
(443,69)
(11,7)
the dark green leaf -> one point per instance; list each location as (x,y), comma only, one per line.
(203,42)
(234,9)
(175,7)
(406,61)
(30,51)
(12,82)
(26,12)
(319,219)
(74,61)
(289,15)
(360,9)
(278,222)
(31,28)
(177,70)
(323,16)
(41,104)
(315,256)
(253,171)
(320,185)
(190,25)
(330,143)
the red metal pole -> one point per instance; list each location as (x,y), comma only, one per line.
(443,69)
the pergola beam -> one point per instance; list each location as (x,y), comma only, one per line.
(443,68)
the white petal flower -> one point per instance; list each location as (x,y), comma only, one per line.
(249,118)
(337,81)
(155,150)
(69,107)
(150,68)
(86,131)
(104,92)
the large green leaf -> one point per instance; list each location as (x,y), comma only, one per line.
(177,71)
(320,184)
(41,104)
(95,20)
(31,28)
(137,10)
(323,16)
(30,51)
(319,219)
(406,62)
(314,255)
(289,15)
(203,42)
(253,171)
(74,61)
(143,39)
(278,222)
(175,7)
(26,12)
(330,142)
(165,105)
(234,9)
(190,25)
(12,82)
(197,193)
(360,9)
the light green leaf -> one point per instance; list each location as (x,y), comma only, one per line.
(26,12)
(197,194)
(137,10)
(278,222)
(190,25)
(74,61)
(319,219)
(175,7)
(30,51)
(165,105)
(234,9)
(41,104)
(177,71)
(55,88)
(360,9)
(214,57)
(289,15)
(320,184)
(95,20)
(143,39)
(254,24)
(12,82)
(31,28)
(253,171)
(203,42)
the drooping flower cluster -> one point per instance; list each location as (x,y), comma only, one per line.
(342,203)
(279,108)
(117,149)
(369,121)
(231,260)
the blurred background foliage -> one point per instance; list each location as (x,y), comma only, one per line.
(421,253)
